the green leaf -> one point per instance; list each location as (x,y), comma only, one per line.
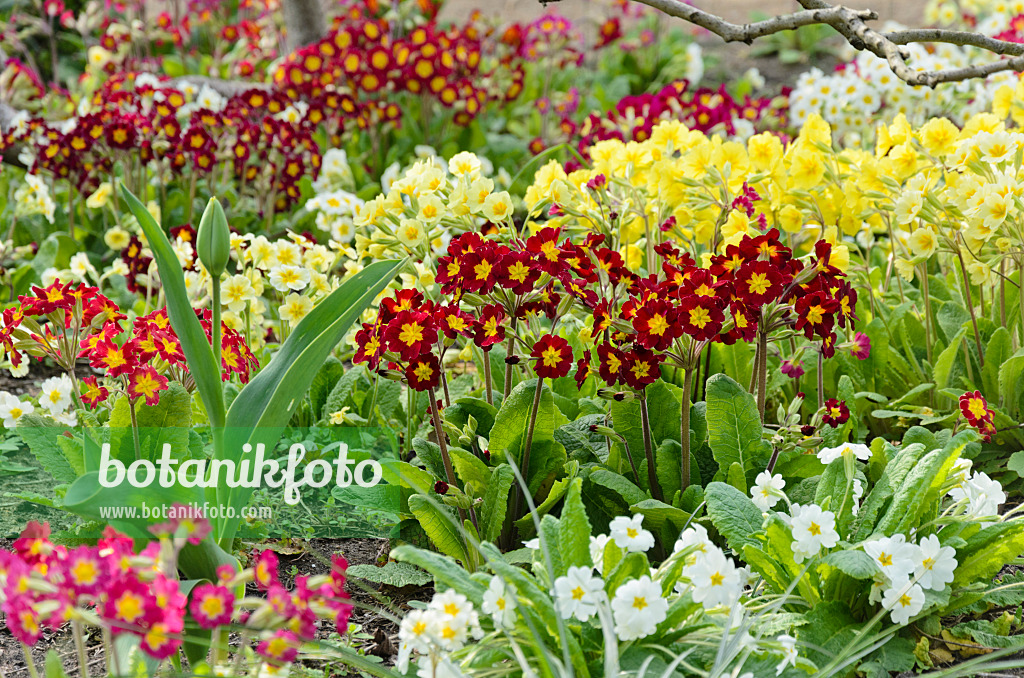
(445,571)
(996,353)
(323,383)
(1011,375)
(54,665)
(734,427)
(41,434)
(987,550)
(194,343)
(944,363)
(441,525)
(857,564)
(920,489)
(734,514)
(392,574)
(496,501)
(574,528)
(471,469)
(513,418)
(663,409)
(463,408)
(341,393)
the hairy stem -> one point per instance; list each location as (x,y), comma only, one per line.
(684,431)
(652,469)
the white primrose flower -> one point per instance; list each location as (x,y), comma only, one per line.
(597,545)
(789,653)
(638,608)
(903,600)
(578,593)
(716,580)
(767,490)
(500,602)
(894,557)
(696,537)
(416,633)
(982,495)
(935,564)
(629,534)
(855,450)
(12,409)
(812,529)
(55,394)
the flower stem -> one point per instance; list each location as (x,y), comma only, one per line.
(970,306)
(83,660)
(508,356)
(28,661)
(762,372)
(821,379)
(524,463)
(487,377)
(652,469)
(135,428)
(449,471)
(215,332)
(684,432)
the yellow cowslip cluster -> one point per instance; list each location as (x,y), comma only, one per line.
(918,191)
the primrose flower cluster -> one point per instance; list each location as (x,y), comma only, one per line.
(45,586)
(69,321)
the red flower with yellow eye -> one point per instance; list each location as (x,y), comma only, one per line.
(94,393)
(146,382)
(655,324)
(369,346)
(642,368)
(724,266)
(744,321)
(700,282)
(610,363)
(582,369)
(449,273)
(115,360)
(169,348)
(544,246)
(212,605)
(757,283)
(488,329)
(518,273)
(766,247)
(56,296)
(836,412)
(404,300)
(480,270)
(701,317)
(815,313)
(424,373)
(847,298)
(975,409)
(410,333)
(553,357)
(454,322)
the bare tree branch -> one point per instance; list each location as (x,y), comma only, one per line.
(851,24)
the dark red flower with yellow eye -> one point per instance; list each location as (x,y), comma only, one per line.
(169,348)
(828,345)
(655,324)
(766,247)
(975,409)
(146,382)
(823,260)
(836,412)
(700,282)
(48,299)
(847,298)
(94,394)
(815,313)
(544,246)
(724,266)
(758,283)
(610,363)
(410,333)
(553,357)
(479,270)
(488,329)
(744,321)
(424,372)
(642,368)
(404,300)
(582,369)
(453,321)
(449,274)
(602,318)
(701,317)
(518,272)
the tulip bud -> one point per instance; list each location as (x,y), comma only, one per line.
(213,240)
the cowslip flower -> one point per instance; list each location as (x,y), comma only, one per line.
(812,529)
(767,490)
(578,593)
(638,607)
(628,533)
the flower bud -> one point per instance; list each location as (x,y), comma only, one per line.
(213,239)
